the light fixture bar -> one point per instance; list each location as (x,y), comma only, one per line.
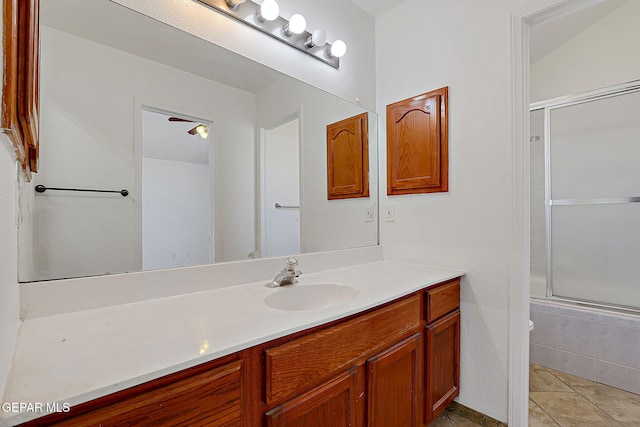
(247,13)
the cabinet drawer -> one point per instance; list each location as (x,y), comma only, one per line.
(299,364)
(212,398)
(442,300)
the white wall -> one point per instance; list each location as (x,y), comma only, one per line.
(75,73)
(9,297)
(176,213)
(325,224)
(9,300)
(605,54)
(341,19)
(423,45)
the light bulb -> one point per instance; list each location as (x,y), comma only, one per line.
(296,25)
(234,4)
(317,38)
(269,11)
(202,131)
(338,49)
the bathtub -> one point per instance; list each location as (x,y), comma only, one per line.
(592,343)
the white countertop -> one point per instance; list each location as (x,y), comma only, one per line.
(75,357)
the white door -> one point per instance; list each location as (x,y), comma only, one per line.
(281,225)
(176,193)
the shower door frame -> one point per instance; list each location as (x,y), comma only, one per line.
(547,106)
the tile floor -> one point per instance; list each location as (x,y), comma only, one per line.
(449,419)
(557,399)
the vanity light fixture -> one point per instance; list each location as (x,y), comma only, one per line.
(234,4)
(296,25)
(268,11)
(317,39)
(265,18)
(338,49)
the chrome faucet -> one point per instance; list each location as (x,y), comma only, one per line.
(287,276)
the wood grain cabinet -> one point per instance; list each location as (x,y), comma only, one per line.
(394,385)
(335,403)
(348,158)
(210,398)
(442,348)
(384,344)
(417,144)
(396,365)
(19,118)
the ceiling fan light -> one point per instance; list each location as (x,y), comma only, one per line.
(203,131)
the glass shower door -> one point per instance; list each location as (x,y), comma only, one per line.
(593,190)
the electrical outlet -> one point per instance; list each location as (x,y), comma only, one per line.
(390,215)
(369,217)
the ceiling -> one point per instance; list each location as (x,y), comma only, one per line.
(550,35)
(376,8)
(162,139)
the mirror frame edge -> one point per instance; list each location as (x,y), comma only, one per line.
(20,91)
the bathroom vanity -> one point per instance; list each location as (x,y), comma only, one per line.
(393,363)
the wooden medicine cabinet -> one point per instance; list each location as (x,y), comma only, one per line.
(417,144)
(348,158)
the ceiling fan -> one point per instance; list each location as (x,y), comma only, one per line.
(200,129)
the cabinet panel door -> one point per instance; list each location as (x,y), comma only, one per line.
(302,363)
(394,385)
(442,364)
(348,158)
(212,398)
(335,403)
(417,144)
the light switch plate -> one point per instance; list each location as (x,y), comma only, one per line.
(390,215)
(369,217)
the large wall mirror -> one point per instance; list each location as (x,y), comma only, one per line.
(205,142)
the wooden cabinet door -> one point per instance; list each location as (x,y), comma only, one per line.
(335,403)
(348,158)
(394,385)
(442,364)
(417,144)
(212,398)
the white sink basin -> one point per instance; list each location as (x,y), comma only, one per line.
(308,297)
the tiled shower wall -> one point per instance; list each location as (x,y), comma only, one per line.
(596,345)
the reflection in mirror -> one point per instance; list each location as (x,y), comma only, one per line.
(176,191)
(280,184)
(109,78)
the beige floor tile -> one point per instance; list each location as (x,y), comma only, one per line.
(572,410)
(537,417)
(542,380)
(621,405)
(570,380)
(441,421)
(458,421)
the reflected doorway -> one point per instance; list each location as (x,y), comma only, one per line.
(280,188)
(176,191)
